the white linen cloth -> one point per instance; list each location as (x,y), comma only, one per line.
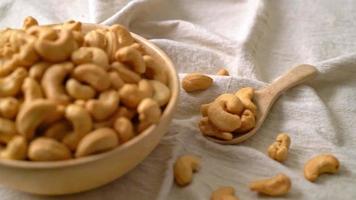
(256,41)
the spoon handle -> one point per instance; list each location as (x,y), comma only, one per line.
(293,77)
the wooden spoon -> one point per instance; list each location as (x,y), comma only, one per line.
(265,97)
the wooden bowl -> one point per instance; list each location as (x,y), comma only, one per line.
(78,175)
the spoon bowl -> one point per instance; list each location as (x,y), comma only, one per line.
(264,98)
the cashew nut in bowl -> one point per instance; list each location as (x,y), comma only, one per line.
(184,167)
(7,130)
(16,149)
(58,48)
(28,22)
(210,130)
(9,107)
(122,111)
(105,106)
(112,44)
(93,75)
(126,74)
(321,164)
(246,95)
(248,121)
(95,38)
(223,113)
(57,114)
(279,149)
(116,80)
(161,93)
(124,129)
(52,82)
(154,70)
(276,186)
(131,94)
(48,149)
(149,113)
(11,84)
(58,130)
(90,55)
(102,139)
(31,90)
(32,114)
(123,35)
(81,122)
(37,70)
(196,81)
(78,90)
(224,193)
(131,57)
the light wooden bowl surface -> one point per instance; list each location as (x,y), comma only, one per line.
(77,175)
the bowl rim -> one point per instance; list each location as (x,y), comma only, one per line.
(174,82)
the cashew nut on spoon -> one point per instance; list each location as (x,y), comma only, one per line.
(265,97)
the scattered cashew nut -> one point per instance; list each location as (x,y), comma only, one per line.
(324,163)
(196,81)
(184,167)
(223,72)
(276,186)
(224,193)
(279,149)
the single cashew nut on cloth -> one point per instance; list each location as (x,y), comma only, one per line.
(161,93)
(196,81)
(224,112)
(90,55)
(149,113)
(321,164)
(9,107)
(279,149)
(124,129)
(105,106)
(48,149)
(102,139)
(31,90)
(95,38)
(32,114)
(82,124)
(127,75)
(52,82)
(16,149)
(246,95)
(223,72)
(11,84)
(154,70)
(224,193)
(278,185)
(131,94)
(93,75)
(29,22)
(77,90)
(132,57)
(57,47)
(7,130)
(210,130)
(184,167)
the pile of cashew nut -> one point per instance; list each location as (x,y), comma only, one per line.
(229,114)
(66,93)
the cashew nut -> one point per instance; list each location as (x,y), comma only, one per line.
(70,25)
(31,90)
(112,44)
(78,90)
(32,114)
(58,130)
(223,72)
(161,93)
(279,149)
(56,48)
(324,163)
(246,95)
(95,38)
(124,129)
(57,114)
(210,130)
(154,70)
(11,85)
(116,80)
(124,112)
(81,122)
(149,113)
(28,22)
(9,107)
(196,81)
(138,47)
(248,121)
(93,75)
(204,109)
(184,167)
(132,57)
(37,70)
(223,112)
(131,94)
(47,149)
(224,193)
(52,82)
(100,140)
(90,55)
(105,106)
(126,74)
(123,35)
(16,149)
(7,130)
(276,186)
